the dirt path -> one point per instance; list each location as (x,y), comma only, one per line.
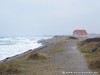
(73,60)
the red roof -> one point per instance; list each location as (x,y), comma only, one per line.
(80,32)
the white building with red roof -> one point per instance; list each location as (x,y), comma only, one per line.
(80,33)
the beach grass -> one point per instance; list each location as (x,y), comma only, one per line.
(57,51)
(37,55)
(23,66)
(92,54)
(61,42)
(9,68)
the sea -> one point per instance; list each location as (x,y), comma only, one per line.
(12,46)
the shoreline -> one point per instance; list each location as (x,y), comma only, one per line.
(43,45)
(22,54)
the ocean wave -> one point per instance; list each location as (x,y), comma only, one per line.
(12,46)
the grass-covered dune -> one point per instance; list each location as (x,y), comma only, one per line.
(24,66)
(91,48)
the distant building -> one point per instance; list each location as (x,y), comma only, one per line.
(80,33)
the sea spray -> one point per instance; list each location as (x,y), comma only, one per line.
(13,46)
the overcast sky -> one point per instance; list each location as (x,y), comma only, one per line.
(40,17)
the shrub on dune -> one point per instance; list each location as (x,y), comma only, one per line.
(95,63)
(9,68)
(37,55)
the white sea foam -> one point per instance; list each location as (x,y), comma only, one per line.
(12,46)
